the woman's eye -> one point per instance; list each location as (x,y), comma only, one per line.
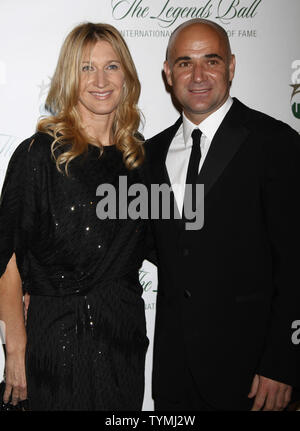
(113,67)
(87,68)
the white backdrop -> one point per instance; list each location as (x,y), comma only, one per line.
(264,35)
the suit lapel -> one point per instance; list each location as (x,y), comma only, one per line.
(226,142)
(159,169)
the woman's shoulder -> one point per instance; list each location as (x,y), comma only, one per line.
(37,147)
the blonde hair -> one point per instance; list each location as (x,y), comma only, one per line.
(64,123)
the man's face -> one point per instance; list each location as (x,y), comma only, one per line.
(199,69)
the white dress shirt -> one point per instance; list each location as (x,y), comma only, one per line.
(180,149)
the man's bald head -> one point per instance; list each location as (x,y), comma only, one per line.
(201,22)
(199,67)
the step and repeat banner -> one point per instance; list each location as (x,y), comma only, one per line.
(264,35)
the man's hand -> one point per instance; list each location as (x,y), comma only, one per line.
(269,394)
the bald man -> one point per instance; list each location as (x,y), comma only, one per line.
(228,293)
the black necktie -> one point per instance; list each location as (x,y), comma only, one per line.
(192,172)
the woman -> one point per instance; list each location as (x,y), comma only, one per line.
(86,336)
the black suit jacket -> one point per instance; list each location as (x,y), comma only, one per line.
(228,293)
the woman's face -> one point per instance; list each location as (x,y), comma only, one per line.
(101,81)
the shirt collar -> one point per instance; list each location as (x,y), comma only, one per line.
(210,125)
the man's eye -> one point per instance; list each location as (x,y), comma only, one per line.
(184,64)
(213,62)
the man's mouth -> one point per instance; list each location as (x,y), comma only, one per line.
(200,91)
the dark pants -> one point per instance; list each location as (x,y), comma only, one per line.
(190,400)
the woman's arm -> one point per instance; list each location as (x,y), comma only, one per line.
(11,313)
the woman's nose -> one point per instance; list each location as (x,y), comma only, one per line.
(100,78)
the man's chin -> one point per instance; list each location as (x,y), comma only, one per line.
(202,108)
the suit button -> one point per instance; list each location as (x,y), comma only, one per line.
(187,294)
(186,252)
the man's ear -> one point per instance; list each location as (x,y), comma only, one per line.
(231,67)
(167,71)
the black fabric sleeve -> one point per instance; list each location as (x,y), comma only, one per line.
(281,357)
(151,253)
(150,243)
(19,203)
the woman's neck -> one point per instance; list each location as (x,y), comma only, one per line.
(99,127)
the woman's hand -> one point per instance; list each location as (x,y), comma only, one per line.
(26,306)
(12,314)
(15,378)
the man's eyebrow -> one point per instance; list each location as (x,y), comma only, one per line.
(214,56)
(185,58)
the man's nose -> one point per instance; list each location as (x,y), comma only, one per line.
(198,73)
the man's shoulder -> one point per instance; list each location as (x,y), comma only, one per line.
(262,122)
(160,137)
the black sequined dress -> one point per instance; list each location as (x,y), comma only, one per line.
(86,322)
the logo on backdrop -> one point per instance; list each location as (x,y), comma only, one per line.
(295,97)
(8,145)
(167,12)
(148,286)
(44,87)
